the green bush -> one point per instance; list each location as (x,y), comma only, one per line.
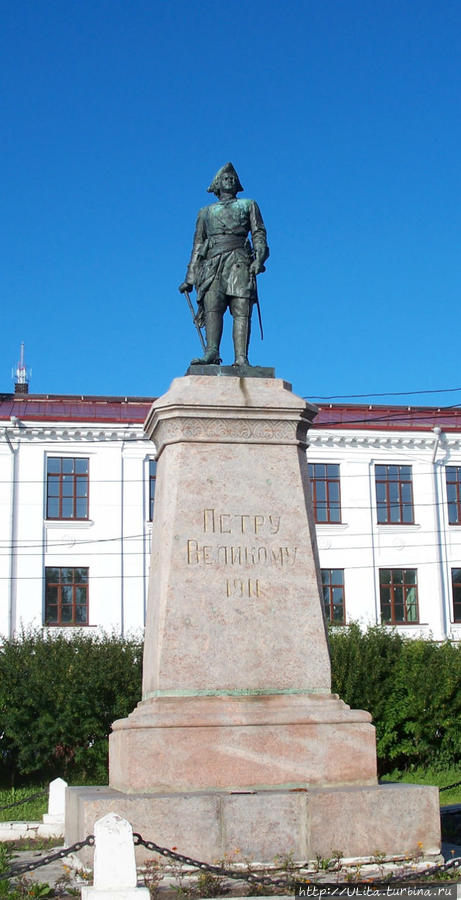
(412,687)
(58,698)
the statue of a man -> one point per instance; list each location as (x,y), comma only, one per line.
(224,264)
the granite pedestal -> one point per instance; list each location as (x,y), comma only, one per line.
(238,740)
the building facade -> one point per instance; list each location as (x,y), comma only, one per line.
(77,488)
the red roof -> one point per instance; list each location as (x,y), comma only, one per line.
(134,410)
(388,418)
(62,408)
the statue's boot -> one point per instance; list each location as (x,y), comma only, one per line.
(213,327)
(241,336)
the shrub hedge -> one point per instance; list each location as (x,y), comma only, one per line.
(412,687)
(59,696)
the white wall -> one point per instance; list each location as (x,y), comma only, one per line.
(115,542)
(7,456)
(361,547)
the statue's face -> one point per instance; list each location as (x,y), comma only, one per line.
(228,183)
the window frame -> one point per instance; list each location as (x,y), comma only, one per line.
(327,504)
(390,503)
(152,479)
(456,603)
(393,585)
(59,584)
(77,477)
(456,483)
(328,604)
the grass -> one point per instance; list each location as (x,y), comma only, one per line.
(431,776)
(38,843)
(30,811)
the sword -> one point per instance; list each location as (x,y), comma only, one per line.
(258,308)
(199,332)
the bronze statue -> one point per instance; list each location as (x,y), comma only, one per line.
(224,265)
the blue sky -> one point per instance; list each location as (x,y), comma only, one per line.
(343,121)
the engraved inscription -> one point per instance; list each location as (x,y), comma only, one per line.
(243,587)
(240,541)
(229,523)
(239,555)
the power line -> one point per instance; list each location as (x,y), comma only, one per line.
(117,482)
(75,541)
(386,394)
(396,417)
(340,549)
(118,576)
(65,541)
(107,422)
(75,546)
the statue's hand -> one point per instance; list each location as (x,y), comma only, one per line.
(185,286)
(256,267)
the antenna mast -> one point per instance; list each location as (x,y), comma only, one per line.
(21,374)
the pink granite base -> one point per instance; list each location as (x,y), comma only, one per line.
(181,744)
(395,820)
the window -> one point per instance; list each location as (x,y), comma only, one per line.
(394,495)
(399,596)
(453,476)
(456,588)
(333,595)
(66,488)
(324,478)
(152,480)
(66,596)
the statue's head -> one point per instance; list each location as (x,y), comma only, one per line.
(225,179)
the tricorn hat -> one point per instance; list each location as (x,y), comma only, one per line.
(215,184)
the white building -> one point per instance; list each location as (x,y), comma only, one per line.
(77,479)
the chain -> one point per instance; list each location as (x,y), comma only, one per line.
(207,867)
(25,800)
(449,786)
(52,857)
(255,879)
(454,863)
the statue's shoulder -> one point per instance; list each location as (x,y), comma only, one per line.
(245,202)
(249,206)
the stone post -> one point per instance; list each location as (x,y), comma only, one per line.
(56,803)
(114,862)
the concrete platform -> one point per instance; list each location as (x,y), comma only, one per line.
(253,743)
(393,819)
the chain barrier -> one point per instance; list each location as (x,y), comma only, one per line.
(449,786)
(24,800)
(45,860)
(208,867)
(279,882)
(454,863)
(285,881)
